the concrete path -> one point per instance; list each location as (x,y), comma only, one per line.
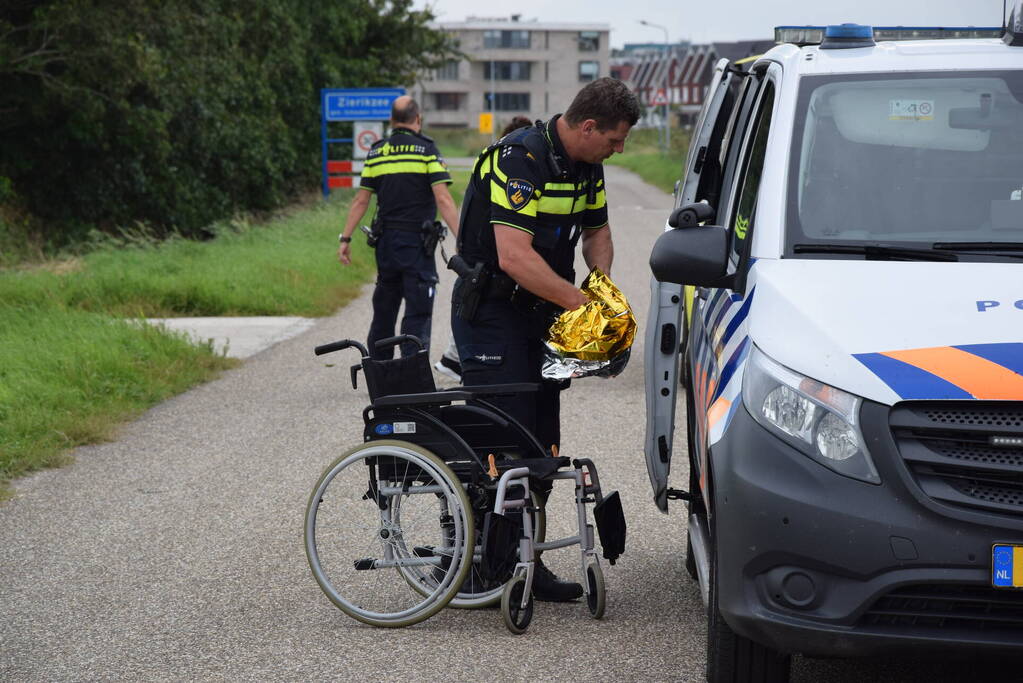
(238,337)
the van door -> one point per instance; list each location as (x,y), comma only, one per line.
(719,332)
(665,332)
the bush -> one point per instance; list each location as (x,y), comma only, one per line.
(176,114)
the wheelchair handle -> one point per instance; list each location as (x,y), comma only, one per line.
(394,341)
(340,345)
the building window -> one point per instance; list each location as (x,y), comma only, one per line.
(588,71)
(447,101)
(507,101)
(506,71)
(589,41)
(448,72)
(493,38)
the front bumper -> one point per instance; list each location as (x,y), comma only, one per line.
(816,563)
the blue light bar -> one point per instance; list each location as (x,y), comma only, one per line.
(814,35)
(847,36)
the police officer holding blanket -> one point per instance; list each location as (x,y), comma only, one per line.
(409,178)
(532,196)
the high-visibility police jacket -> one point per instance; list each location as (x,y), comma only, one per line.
(528,182)
(401,170)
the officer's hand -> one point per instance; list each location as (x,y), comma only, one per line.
(344,253)
(579,300)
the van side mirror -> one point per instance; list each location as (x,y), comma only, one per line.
(690,215)
(692,256)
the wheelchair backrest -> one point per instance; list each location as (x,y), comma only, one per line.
(407,375)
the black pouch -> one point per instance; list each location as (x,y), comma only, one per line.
(610,520)
(501,536)
(473,282)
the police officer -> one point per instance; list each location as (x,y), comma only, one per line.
(408,176)
(531,197)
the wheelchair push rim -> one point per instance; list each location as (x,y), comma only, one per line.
(368,519)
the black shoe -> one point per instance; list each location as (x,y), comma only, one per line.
(549,588)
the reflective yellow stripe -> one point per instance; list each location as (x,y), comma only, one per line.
(595,227)
(435,167)
(557,205)
(401,167)
(559,186)
(599,201)
(446,180)
(383,159)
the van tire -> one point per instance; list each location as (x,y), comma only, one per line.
(732,658)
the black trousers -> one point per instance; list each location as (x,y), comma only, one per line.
(504,344)
(405,272)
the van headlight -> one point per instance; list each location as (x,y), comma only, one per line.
(817,419)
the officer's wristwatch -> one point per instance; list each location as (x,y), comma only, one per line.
(342,239)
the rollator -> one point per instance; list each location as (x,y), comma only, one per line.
(441,503)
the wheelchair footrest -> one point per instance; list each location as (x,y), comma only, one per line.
(501,536)
(610,520)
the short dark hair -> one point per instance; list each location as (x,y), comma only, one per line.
(515,124)
(607,101)
(407,114)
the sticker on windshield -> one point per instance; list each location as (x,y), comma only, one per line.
(910,110)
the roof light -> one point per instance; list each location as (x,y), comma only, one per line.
(846,36)
(1014,24)
(814,35)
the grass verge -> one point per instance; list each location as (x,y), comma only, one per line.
(74,367)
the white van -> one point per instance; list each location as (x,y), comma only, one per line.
(851,225)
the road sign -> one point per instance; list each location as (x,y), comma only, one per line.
(486,122)
(659,98)
(358,104)
(366,133)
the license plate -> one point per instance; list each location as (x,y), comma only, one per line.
(1007,565)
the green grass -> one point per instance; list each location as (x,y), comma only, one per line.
(74,367)
(644,157)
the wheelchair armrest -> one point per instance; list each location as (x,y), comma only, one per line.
(454,394)
(432,398)
(498,389)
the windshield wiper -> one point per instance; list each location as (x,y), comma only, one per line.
(980,246)
(876,251)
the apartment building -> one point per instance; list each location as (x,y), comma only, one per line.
(513,67)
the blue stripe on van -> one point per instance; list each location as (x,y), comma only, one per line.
(734,323)
(909,381)
(731,366)
(1009,355)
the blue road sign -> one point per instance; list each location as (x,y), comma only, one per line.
(358,104)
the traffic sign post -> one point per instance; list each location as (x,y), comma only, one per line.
(363,107)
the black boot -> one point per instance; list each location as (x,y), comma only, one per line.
(549,588)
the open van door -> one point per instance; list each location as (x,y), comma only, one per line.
(665,332)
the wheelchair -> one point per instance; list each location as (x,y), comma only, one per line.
(442,503)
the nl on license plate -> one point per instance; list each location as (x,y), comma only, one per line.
(1007,565)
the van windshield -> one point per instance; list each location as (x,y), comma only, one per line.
(915,160)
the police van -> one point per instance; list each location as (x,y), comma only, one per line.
(839,294)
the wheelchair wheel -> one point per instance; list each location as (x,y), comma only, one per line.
(516,617)
(596,596)
(382,512)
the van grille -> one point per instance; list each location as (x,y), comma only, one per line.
(948,450)
(948,607)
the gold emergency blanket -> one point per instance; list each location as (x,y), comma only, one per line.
(593,339)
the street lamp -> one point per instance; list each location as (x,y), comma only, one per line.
(667,87)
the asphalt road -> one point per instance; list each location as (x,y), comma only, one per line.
(175,552)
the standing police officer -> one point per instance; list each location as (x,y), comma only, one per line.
(409,178)
(531,197)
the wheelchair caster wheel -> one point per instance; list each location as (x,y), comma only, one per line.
(516,617)
(596,595)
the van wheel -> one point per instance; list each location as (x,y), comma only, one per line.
(732,658)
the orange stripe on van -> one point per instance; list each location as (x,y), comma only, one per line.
(717,411)
(978,376)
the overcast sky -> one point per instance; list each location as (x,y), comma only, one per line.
(709,20)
